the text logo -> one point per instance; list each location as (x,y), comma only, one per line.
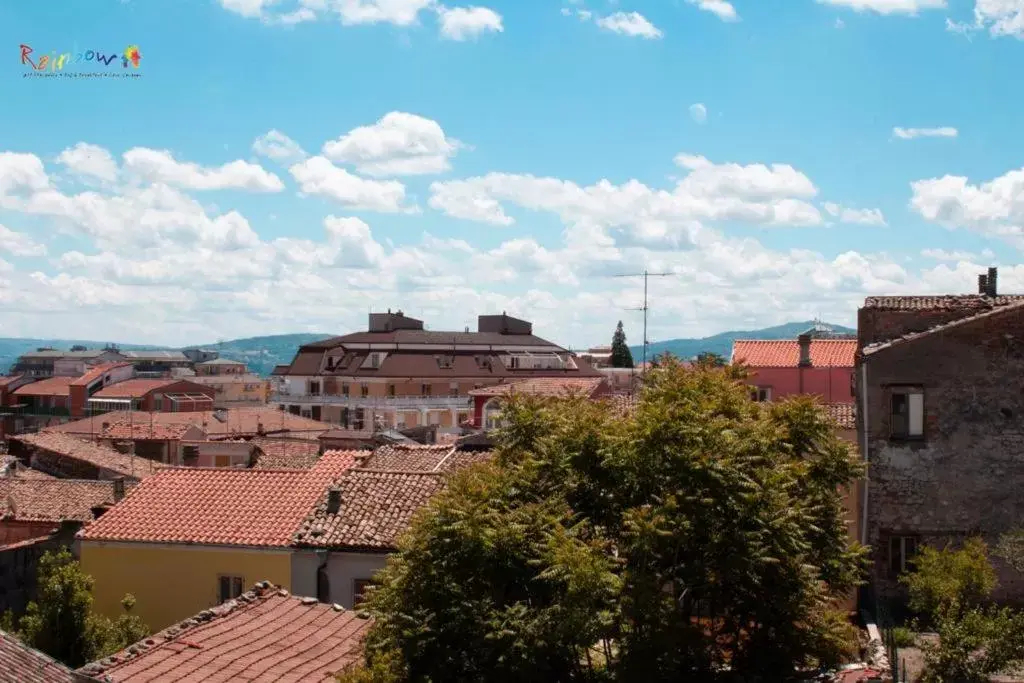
(82,63)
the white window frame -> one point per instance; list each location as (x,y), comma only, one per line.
(904,557)
(756,393)
(914,402)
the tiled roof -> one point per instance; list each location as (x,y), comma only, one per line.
(623,405)
(52,386)
(133,388)
(263,636)
(21,664)
(53,500)
(4,381)
(966,302)
(242,421)
(219,506)
(983,315)
(221,361)
(95,373)
(286,455)
(376,508)
(544,386)
(785,353)
(844,414)
(154,355)
(144,431)
(89,452)
(407,458)
(431,337)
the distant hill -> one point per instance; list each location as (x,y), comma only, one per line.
(722,343)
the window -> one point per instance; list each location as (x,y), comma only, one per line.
(344,390)
(359,587)
(425,390)
(463,417)
(906,414)
(158,402)
(222,461)
(315,412)
(345,417)
(314,388)
(433,418)
(513,362)
(323,585)
(902,550)
(391,390)
(374,360)
(364,390)
(294,410)
(306,413)
(453,389)
(761,394)
(229,588)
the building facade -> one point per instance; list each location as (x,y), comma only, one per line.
(940,419)
(398,375)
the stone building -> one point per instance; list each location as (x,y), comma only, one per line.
(941,420)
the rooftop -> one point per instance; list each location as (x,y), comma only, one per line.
(52,386)
(4,381)
(97,372)
(843,414)
(982,314)
(286,455)
(376,508)
(218,506)
(146,431)
(544,386)
(53,500)
(134,388)
(22,664)
(417,458)
(264,635)
(247,421)
(153,355)
(967,302)
(89,452)
(785,353)
(221,361)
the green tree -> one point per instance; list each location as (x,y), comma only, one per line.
(711,359)
(703,530)
(622,357)
(61,622)
(948,578)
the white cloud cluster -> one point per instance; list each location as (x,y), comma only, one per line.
(999,17)
(398,144)
(994,208)
(318,176)
(912,133)
(699,112)
(910,7)
(277,146)
(455,23)
(720,8)
(854,216)
(631,24)
(160,166)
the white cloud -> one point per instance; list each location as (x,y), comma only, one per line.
(398,12)
(21,173)
(968,256)
(720,8)
(247,8)
(19,244)
(885,7)
(156,165)
(318,176)
(89,160)
(464,23)
(631,24)
(698,112)
(854,216)
(840,24)
(279,147)
(912,133)
(397,144)
(1000,17)
(994,208)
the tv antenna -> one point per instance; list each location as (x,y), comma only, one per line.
(646,274)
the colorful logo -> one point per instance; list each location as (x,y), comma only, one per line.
(78,61)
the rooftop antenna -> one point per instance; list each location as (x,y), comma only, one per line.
(644,308)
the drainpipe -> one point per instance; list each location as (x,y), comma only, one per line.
(864,447)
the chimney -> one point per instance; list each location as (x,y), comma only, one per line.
(983,284)
(118,489)
(804,340)
(333,500)
(991,282)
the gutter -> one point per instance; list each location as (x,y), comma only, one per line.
(864,448)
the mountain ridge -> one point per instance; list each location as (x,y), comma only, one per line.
(721,343)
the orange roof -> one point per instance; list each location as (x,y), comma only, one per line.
(133,388)
(95,373)
(785,353)
(544,386)
(52,386)
(264,635)
(4,381)
(53,500)
(261,508)
(843,414)
(69,448)
(247,421)
(145,431)
(25,665)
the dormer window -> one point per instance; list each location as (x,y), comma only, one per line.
(446,362)
(374,359)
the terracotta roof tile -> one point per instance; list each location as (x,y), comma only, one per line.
(219,506)
(286,455)
(95,373)
(544,386)
(966,302)
(21,664)
(982,315)
(69,447)
(52,386)
(264,636)
(785,353)
(133,388)
(843,414)
(53,500)
(407,458)
(4,381)
(237,421)
(144,431)
(376,508)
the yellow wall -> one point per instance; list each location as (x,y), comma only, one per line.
(171,583)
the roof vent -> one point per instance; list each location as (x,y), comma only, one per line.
(333,500)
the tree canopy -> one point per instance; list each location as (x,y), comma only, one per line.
(702,530)
(622,357)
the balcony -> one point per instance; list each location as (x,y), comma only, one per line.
(394,402)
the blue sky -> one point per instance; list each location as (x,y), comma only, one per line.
(783,159)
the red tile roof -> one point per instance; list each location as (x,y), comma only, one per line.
(286,455)
(133,388)
(52,386)
(1011,308)
(53,500)
(376,508)
(21,664)
(966,302)
(544,386)
(104,457)
(145,431)
(843,414)
(407,458)
(4,381)
(785,353)
(95,373)
(236,421)
(265,636)
(219,506)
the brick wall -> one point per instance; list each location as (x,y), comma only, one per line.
(963,477)
(876,325)
(19,567)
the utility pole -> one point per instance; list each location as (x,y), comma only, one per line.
(644,308)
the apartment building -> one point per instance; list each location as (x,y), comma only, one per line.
(399,375)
